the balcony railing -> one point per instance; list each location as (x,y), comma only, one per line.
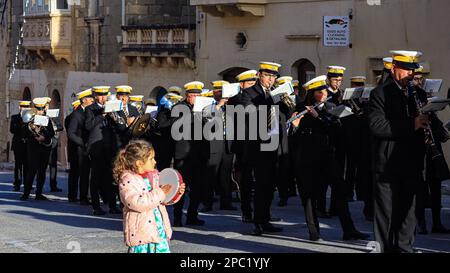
(157,41)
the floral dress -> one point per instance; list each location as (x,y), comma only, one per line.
(163,246)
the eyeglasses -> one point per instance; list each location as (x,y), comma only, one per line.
(267,75)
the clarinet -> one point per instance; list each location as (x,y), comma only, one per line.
(306,111)
(429,138)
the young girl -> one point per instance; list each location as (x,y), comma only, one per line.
(146,222)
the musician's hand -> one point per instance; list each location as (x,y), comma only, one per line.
(166,189)
(222,102)
(421,122)
(130,120)
(296,122)
(40,139)
(312,111)
(182,188)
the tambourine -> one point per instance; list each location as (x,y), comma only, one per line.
(173,178)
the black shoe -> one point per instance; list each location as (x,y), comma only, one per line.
(228,207)
(282,203)
(292,194)
(24,197)
(85,202)
(323,215)
(195,222)
(258,231)
(40,197)
(115,211)
(355,235)
(56,190)
(177,223)
(315,237)
(16,188)
(275,219)
(73,200)
(99,212)
(268,227)
(247,219)
(206,209)
(369,218)
(440,229)
(422,229)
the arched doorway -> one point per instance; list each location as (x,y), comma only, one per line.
(305,70)
(56,100)
(231,73)
(157,93)
(26,95)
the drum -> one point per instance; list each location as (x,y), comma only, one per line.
(173,178)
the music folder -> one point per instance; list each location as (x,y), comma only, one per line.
(230,90)
(202,102)
(53,113)
(366,93)
(353,93)
(435,105)
(113,106)
(341,111)
(41,120)
(278,92)
(432,85)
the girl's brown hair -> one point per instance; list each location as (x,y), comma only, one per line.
(127,157)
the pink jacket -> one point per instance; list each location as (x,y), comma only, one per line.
(138,218)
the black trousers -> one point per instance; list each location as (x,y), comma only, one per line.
(246,187)
(37,162)
(284,180)
(80,170)
(20,164)
(53,167)
(395,220)
(265,175)
(218,178)
(312,172)
(101,179)
(429,193)
(192,172)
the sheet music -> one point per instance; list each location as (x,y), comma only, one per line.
(202,102)
(435,105)
(53,113)
(353,93)
(113,106)
(285,88)
(230,90)
(341,111)
(41,120)
(433,85)
(366,93)
(152,110)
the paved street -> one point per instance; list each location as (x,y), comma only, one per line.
(58,226)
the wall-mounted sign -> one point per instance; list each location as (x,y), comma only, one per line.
(336,31)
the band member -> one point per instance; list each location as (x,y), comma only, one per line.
(430,189)
(102,147)
(334,78)
(244,169)
(220,162)
(80,165)
(71,147)
(266,163)
(150,102)
(39,142)
(53,162)
(162,138)
(387,64)
(126,116)
(317,163)
(353,130)
(138,103)
(399,150)
(190,160)
(19,145)
(284,181)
